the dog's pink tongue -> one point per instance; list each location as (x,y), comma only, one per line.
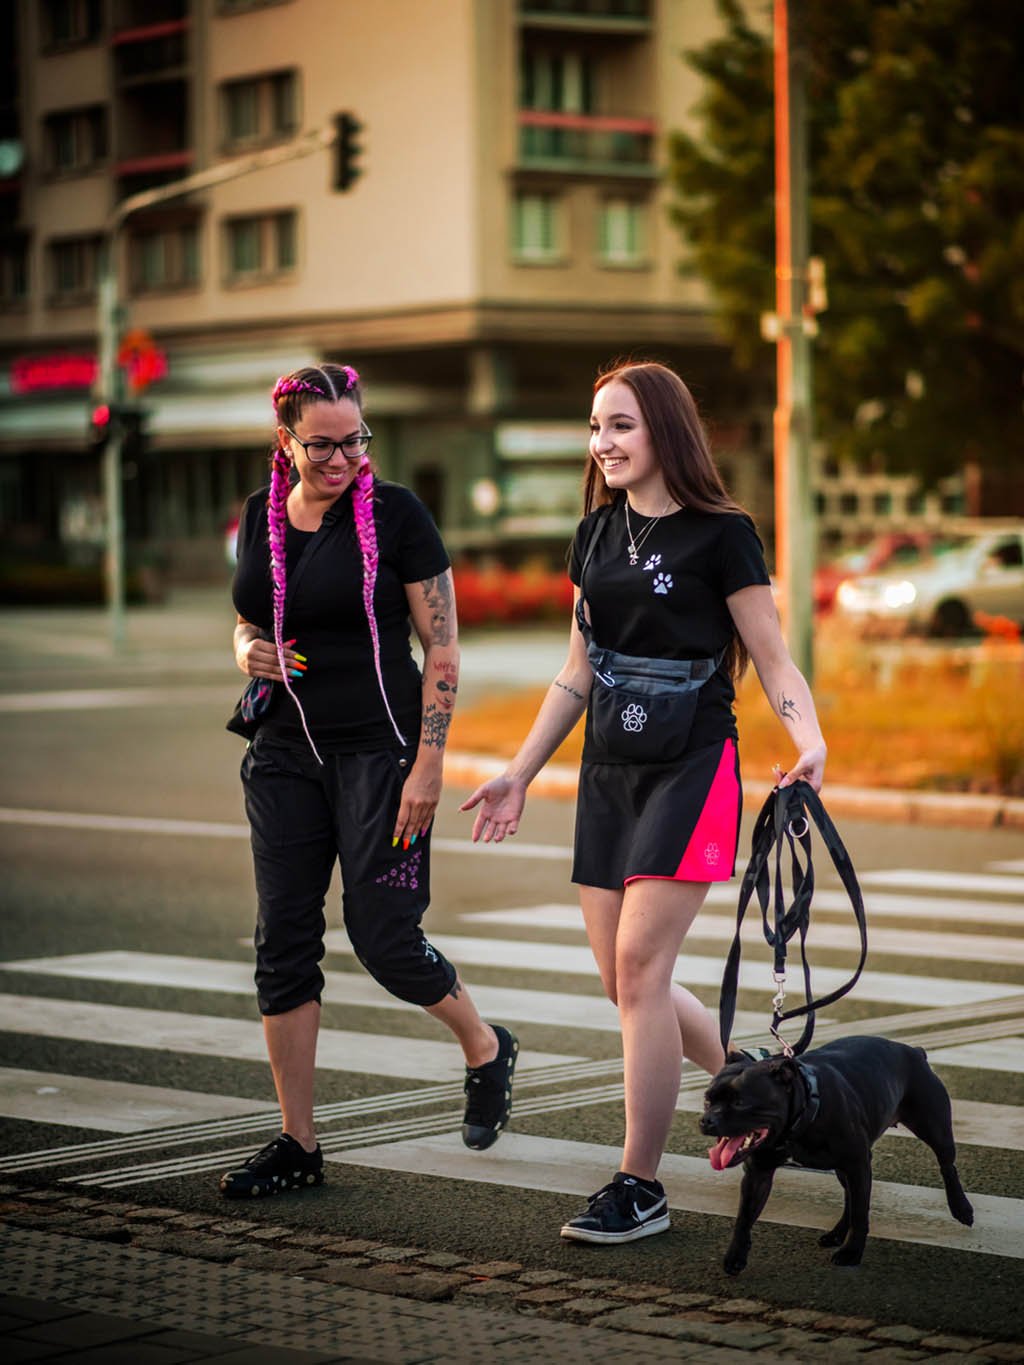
(723,1152)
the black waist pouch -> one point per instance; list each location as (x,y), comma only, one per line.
(642,709)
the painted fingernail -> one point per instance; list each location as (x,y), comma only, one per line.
(412,840)
(424,830)
(394,842)
(301,668)
(405,844)
(289,642)
(301,657)
(295,673)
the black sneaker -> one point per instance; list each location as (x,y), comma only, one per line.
(623,1211)
(489,1094)
(283,1164)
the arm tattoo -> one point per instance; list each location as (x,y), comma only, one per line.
(437,594)
(787,708)
(571,690)
(435,726)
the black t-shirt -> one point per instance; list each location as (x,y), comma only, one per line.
(324,614)
(671,603)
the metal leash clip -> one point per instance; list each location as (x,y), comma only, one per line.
(778,1001)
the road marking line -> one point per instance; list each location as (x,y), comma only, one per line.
(695,970)
(1010,865)
(923,878)
(111,1106)
(107,698)
(902,1213)
(1005,1055)
(551,1008)
(370,1054)
(842,937)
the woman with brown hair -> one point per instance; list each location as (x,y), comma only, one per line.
(672,598)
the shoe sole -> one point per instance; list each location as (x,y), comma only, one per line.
(267,1192)
(648,1229)
(503,1124)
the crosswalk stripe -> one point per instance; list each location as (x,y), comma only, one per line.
(1008,865)
(922,878)
(213,1036)
(904,1213)
(721,928)
(552,1008)
(110,1106)
(695,970)
(1006,1054)
(975,1123)
(885,905)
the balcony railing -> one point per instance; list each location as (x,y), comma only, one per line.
(594,144)
(157,50)
(621,16)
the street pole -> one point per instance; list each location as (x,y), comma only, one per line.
(109,394)
(108,337)
(794,511)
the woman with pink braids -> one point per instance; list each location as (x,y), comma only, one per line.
(346,746)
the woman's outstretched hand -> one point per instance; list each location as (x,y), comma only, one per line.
(501,802)
(809,768)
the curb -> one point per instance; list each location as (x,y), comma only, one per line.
(964,810)
(410,1273)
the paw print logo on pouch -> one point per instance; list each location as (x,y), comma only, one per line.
(662,583)
(634,718)
(652,563)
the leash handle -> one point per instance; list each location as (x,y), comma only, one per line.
(785,820)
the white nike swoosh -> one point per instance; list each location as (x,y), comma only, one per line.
(642,1215)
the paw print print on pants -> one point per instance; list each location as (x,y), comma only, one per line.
(662,583)
(404,875)
(652,563)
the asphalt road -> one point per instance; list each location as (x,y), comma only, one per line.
(121,834)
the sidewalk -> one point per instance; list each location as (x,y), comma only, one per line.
(96,1282)
(189,637)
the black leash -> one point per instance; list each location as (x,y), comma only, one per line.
(786,818)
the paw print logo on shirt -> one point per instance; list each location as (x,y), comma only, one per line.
(662,583)
(652,563)
(712,853)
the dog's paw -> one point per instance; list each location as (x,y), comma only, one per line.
(735,1259)
(963,1212)
(848,1256)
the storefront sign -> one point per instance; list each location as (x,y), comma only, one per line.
(30,374)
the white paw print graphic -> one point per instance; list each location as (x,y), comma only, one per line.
(634,718)
(652,563)
(662,583)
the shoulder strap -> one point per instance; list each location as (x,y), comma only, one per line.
(786,818)
(320,535)
(604,516)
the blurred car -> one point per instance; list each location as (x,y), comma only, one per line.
(942,594)
(881,554)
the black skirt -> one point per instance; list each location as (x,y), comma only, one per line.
(672,821)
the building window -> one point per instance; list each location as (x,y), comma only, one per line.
(556,81)
(260,247)
(14,271)
(620,232)
(74,269)
(260,109)
(536,228)
(65,23)
(165,258)
(76,140)
(240,6)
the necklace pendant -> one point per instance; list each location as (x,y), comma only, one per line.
(632,555)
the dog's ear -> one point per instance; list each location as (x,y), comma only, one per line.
(784,1069)
(732,1057)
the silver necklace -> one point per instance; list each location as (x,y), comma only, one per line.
(636,542)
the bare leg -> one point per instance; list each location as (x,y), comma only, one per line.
(697,1026)
(477,1039)
(291,1046)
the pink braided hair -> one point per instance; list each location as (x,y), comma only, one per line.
(366,531)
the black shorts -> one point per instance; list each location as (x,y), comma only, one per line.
(672,821)
(303,819)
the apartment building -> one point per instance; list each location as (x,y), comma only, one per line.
(506,235)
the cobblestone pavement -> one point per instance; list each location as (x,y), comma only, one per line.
(103,1282)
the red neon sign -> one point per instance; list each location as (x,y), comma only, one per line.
(30,374)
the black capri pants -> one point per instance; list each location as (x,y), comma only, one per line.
(303,817)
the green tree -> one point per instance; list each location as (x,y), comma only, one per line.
(916,151)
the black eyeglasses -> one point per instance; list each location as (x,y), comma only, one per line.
(321,450)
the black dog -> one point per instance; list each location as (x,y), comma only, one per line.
(825,1110)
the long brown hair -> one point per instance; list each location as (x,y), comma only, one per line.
(680,446)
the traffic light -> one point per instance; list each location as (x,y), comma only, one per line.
(99,427)
(347,151)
